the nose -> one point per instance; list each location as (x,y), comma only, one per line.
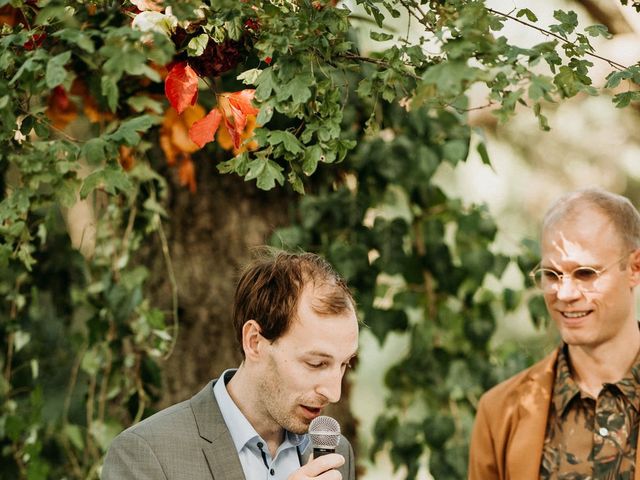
(566,290)
(331,386)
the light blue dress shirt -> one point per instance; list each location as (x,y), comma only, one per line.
(252,450)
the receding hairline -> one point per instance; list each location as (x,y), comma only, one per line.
(620,213)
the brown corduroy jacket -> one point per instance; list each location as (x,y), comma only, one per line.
(508,435)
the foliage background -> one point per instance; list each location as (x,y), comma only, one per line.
(403,123)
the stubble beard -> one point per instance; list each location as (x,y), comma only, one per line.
(276,406)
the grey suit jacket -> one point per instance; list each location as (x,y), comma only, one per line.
(187,441)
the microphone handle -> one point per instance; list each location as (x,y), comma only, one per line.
(320,451)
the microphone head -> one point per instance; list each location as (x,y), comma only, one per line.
(324,432)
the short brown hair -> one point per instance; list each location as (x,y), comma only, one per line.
(621,212)
(270,286)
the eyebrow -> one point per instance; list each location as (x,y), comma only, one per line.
(314,353)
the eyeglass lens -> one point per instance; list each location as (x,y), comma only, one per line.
(583,277)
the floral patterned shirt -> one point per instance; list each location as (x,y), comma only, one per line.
(587,438)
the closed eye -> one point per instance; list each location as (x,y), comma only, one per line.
(316,365)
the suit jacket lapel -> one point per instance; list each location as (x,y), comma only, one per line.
(220,452)
(525,452)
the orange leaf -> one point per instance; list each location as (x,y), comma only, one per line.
(127,159)
(237,105)
(60,110)
(181,86)
(187,174)
(242,101)
(203,131)
(226,143)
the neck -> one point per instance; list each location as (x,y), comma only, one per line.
(608,363)
(242,390)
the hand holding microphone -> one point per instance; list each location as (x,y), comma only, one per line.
(324,433)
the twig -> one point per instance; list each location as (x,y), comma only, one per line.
(375,61)
(104,384)
(7,370)
(174,288)
(554,35)
(75,465)
(409,7)
(142,396)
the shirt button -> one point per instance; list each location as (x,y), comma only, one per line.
(603,431)
(272,471)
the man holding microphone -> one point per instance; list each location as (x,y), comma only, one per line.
(296,325)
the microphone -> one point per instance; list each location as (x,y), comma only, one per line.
(325,435)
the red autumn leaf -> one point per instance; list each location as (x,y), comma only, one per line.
(204,130)
(181,86)
(242,100)
(236,106)
(35,41)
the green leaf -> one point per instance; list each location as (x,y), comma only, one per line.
(234,28)
(141,103)
(267,172)
(540,87)
(380,36)
(484,155)
(127,132)
(73,433)
(568,22)
(111,179)
(298,89)
(78,37)
(109,88)
(265,84)
(238,164)
(249,77)
(614,78)
(527,13)
(104,432)
(197,44)
(94,151)
(312,156)
(287,139)
(455,151)
(56,73)
(598,30)
(625,98)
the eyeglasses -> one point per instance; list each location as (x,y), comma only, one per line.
(584,278)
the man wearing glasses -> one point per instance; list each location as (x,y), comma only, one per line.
(575,414)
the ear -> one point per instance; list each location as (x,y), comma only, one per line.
(634,266)
(251,339)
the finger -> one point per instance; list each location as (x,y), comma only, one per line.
(330,475)
(321,464)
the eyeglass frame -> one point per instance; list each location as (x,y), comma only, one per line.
(577,283)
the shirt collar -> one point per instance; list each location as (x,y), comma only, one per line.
(242,432)
(565,388)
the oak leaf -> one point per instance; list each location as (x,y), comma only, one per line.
(181,86)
